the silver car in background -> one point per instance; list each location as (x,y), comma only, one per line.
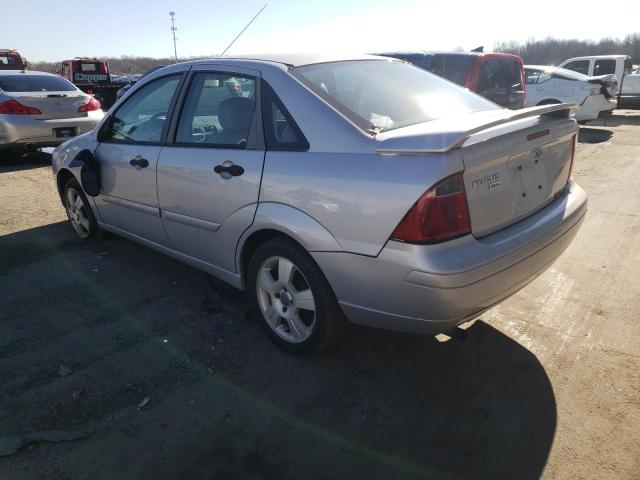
(331,189)
(39,109)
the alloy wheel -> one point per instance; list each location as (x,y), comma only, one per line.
(286,299)
(77,213)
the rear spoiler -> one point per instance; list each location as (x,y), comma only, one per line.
(444,135)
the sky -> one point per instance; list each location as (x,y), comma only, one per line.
(142,28)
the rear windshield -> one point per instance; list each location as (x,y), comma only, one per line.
(499,74)
(89,67)
(379,95)
(35,83)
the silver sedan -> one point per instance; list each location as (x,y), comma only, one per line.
(39,109)
(332,190)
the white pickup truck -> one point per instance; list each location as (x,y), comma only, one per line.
(619,65)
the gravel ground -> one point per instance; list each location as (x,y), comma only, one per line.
(547,384)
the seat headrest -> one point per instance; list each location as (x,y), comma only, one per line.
(236,113)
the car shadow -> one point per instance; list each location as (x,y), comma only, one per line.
(594,135)
(15,162)
(130,323)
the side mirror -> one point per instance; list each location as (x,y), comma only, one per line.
(90,172)
(25,63)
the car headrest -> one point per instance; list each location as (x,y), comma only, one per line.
(236,113)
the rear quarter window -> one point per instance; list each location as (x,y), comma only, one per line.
(35,83)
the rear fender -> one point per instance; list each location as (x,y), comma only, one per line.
(292,222)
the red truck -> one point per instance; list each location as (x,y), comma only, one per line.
(91,76)
(11,60)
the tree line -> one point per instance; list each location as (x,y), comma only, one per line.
(551,51)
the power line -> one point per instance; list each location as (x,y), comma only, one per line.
(173,31)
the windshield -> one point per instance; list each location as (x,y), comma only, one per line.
(379,95)
(35,83)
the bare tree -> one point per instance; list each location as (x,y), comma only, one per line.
(551,51)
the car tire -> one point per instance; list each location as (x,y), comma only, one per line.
(549,101)
(79,211)
(282,305)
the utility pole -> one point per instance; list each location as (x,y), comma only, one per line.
(173,30)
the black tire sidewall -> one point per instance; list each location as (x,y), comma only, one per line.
(324,298)
(93,224)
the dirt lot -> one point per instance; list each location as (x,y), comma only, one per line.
(547,384)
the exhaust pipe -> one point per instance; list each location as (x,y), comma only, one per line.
(30,147)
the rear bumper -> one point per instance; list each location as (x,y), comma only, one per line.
(16,130)
(432,288)
(594,107)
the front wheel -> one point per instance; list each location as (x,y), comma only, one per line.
(292,299)
(79,211)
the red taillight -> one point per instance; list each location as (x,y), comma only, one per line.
(441,213)
(13,107)
(90,107)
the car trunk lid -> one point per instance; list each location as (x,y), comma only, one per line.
(515,162)
(53,105)
(513,170)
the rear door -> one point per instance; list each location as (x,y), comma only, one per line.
(128,158)
(500,80)
(209,173)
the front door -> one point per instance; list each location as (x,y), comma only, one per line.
(209,177)
(128,159)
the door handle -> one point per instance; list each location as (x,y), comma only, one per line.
(138,161)
(227,169)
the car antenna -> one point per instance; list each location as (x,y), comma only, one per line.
(242,31)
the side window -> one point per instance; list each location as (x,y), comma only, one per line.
(531,76)
(604,67)
(142,117)
(580,66)
(544,77)
(218,110)
(281,131)
(65,69)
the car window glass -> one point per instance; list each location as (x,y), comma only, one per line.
(531,76)
(382,95)
(281,131)
(142,116)
(498,74)
(580,66)
(35,83)
(454,67)
(604,67)
(218,110)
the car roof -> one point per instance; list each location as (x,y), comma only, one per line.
(26,72)
(445,52)
(559,70)
(295,59)
(589,57)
